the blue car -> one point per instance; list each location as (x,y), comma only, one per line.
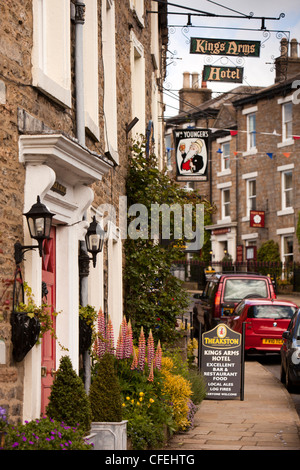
(290,354)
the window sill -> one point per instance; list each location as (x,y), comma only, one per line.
(287,211)
(224,172)
(252,151)
(285,143)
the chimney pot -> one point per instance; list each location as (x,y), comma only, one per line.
(195,80)
(186,80)
(294,45)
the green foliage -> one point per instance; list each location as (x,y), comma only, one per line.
(45,434)
(269,251)
(153,296)
(148,410)
(68,401)
(105,392)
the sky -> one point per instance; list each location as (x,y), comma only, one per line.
(257,71)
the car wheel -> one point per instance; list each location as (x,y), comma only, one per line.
(282,373)
(288,383)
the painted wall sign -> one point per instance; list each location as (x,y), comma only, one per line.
(230,47)
(191,151)
(222,362)
(222,74)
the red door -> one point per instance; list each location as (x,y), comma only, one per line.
(48,341)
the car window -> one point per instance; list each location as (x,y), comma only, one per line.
(276,312)
(238,289)
(239,308)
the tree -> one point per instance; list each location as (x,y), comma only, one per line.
(154,298)
(68,400)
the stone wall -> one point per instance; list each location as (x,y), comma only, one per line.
(24,109)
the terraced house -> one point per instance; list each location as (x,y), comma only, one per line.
(253,169)
(78,80)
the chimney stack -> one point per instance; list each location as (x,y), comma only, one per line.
(287,65)
(191,94)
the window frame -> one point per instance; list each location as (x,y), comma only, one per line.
(51,42)
(225,204)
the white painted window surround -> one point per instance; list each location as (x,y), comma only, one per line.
(51,60)
(286,176)
(138,84)
(251,130)
(110,78)
(91,67)
(287,121)
(138,7)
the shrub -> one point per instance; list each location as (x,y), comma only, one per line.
(68,400)
(179,390)
(45,434)
(105,392)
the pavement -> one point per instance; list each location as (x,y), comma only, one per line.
(265,420)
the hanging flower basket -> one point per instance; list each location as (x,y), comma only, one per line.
(85,336)
(25,333)
(87,318)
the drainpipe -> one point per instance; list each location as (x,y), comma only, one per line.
(80,128)
(79,22)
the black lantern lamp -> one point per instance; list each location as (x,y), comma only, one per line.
(94,239)
(39,220)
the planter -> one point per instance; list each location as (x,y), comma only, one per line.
(25,334)
(108,436)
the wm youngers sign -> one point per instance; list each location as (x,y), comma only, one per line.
(230,47)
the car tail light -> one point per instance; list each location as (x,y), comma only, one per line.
(218,303)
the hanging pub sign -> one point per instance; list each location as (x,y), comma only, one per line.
(222,363)
(257,219)
(222,74)
(191,153)
(230,47)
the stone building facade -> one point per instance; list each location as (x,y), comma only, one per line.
(254,160)
(73,78)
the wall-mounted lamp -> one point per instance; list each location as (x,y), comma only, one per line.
(94,239)
(131,125)
(39,220)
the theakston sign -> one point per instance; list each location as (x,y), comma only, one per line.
(229,47)
(221,363)
(222,74)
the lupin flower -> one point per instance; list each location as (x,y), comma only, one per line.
(120,345)
(158,356)
(128,342)
(151,375)
(110,337)
(134,361)
(142,350)
(150,349)
(101,331)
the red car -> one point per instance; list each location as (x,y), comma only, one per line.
(266,320)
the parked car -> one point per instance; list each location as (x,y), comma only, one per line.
(290,354)
(222,293)
(265,322)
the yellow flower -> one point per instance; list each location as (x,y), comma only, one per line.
(132,401)
(141,394)
(138,403)
(123,404)
(141,398)
(127,398)
(151,400)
